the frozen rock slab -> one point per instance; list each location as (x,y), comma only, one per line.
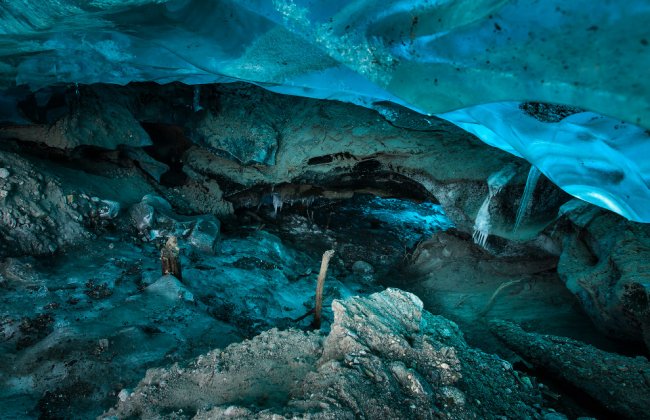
(621,384)
(384,358)
(170,288)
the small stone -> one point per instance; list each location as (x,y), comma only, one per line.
(142,215)
(4,173)
(108,209)
(123,395)
(362,267)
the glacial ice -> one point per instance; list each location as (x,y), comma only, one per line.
(482,224)
(527,197)
(471,61)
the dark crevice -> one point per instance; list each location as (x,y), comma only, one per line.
(381,183)
(321,160)
(570,400)
(169,146)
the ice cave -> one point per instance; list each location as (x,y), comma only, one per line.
(325,209)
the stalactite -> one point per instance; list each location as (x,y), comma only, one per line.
(277,203)
(196,100)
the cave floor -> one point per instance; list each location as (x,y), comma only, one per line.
(79,327)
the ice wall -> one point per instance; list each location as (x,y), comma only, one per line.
(598,159)
(434,56)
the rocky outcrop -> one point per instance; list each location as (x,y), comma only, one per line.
(384,358)
(621,384)
(36,215)
(219,142)
(83,116)
(606,263)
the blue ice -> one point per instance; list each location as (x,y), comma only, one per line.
(471,61)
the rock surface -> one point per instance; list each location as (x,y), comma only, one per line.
(384,357)
(606,263)
(36,215)
(244,143)
(621,384)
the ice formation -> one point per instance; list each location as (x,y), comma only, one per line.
(196,100)
(495,182)
(526,199)
(459,58)
(277,203)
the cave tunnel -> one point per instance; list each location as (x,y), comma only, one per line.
(324,209)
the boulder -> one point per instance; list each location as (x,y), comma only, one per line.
(620,383)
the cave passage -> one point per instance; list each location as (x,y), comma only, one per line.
(180,241)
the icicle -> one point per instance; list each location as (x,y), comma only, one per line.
(196,103)
(495,182)
(277,204)
(526,199)
(482,222)
(307,201)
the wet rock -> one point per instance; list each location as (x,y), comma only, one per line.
(154,218)
(605,262)
(157,202)
(142,216)
(362,267)
(554,416)
(36,216)
(239,135)
(94,116)
(152,167)
(615,381)
(108,209)
(384,358)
